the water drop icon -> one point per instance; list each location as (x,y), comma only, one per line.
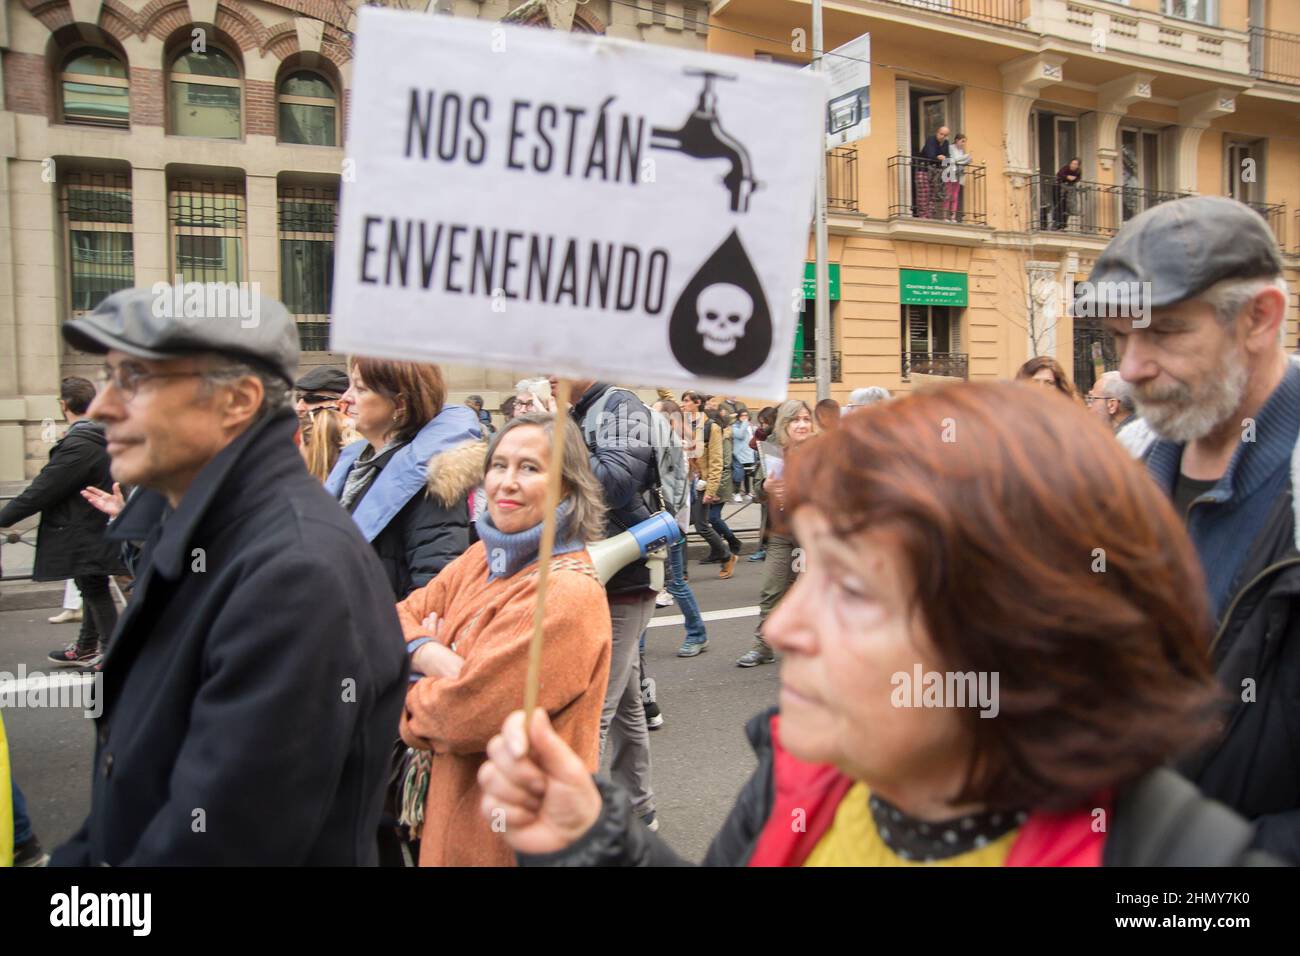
(721,326)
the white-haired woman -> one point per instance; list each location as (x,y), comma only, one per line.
(468,634)
(794,426)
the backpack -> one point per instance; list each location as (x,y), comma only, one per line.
(672,485)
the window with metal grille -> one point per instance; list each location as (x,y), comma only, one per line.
(96,213)
(208,220)
(306,226)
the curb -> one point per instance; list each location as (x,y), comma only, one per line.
(28,596)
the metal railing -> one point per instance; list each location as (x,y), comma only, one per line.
(1086,208)
(842,179)
(26,537)
(1274,55)
(314,336)
(1275,215)
(922,189)
(1008,13)
(952,364)
(803,365)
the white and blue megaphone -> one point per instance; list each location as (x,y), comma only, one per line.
(649,539)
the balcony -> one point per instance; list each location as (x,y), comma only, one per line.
(803,366)
(919,189)
(948,364)
(1275,215)
(1275,55)
(1086,208)
(842,179)
(1007,13)
(1144,33)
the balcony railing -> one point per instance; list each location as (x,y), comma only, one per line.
(951,364)
(1275,215)
(803,366)
(842,179)
(922,189)
(1087,208)
(1009,13)
(1274,55)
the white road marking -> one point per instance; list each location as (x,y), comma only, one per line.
(67,679)
(725,614)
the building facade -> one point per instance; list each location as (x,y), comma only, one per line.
(148,139)
(1157,98)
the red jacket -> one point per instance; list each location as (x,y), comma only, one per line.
(1045,839)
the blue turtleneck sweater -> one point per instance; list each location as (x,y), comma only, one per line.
(508,553)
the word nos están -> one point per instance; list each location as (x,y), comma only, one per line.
(572,141)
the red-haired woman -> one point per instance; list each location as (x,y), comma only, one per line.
(1045,370)
(962,685)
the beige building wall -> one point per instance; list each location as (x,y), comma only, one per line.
(1187,83)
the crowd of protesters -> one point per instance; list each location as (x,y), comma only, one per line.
(326,644)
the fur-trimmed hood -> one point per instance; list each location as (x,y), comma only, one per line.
(454,473)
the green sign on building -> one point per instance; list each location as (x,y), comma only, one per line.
(832,280)
(932,288)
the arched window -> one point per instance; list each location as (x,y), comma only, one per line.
(96,91)
(204,94)
(308,110)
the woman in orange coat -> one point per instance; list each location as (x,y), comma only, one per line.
(468,634)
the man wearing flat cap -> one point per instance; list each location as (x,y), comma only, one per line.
(321,388)
(1207,366)
(254,682)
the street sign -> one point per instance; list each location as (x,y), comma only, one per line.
(645,223)
(848,110)
(918,287)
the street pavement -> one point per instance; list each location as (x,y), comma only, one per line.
(700,756)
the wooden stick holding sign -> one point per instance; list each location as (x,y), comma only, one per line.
(547,547)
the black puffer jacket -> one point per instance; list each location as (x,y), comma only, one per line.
(624,463)
(1160,821)
(70,540)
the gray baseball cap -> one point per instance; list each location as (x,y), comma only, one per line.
(1184,246)
(168,321)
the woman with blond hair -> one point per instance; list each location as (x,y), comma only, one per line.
(794,426)
(468,635)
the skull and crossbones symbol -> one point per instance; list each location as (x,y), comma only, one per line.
(724,310)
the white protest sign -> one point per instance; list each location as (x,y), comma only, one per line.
(848,112)
(566,203)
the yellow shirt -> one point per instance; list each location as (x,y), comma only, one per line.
(6,805)
(853,840)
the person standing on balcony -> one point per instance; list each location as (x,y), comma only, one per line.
(928,170)
(954,177)
(1067,178)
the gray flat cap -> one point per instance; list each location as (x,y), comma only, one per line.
(168,321)
(1184,246)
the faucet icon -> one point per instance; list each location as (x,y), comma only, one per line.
(703,138)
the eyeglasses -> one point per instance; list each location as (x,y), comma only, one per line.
(126,378)
(316,398)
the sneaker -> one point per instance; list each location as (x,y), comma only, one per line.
(95,664)
(651,821)
(664,599)
(760,653)
(71,654)
(759,555)
(66,616)
(693,648)
(728,569)
(737,499)
(30,853)
(654,718)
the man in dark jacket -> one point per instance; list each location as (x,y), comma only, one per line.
(70,542)
(929,170)
(256,678)
(615,424)
(1208,369)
